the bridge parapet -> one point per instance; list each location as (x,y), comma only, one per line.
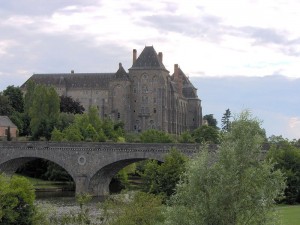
(103,146)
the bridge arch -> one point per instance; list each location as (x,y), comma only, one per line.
(100,180)
(10,165)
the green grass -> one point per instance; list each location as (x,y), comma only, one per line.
(46,184)
(289,214)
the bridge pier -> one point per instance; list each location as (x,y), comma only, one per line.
(101,189)
(82,184)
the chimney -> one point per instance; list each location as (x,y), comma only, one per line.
(160,57)
(72,71)
(178,79)
(134,56)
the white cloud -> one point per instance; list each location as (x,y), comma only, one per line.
(236,37)
(206,38)
(294,125)
(4,47)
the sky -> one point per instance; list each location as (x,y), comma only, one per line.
(241,54)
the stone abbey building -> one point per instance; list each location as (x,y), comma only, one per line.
(145,97)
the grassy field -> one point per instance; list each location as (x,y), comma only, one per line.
(289,214)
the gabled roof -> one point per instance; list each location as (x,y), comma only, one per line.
(188,89)
(148,59)
(121,73)
(6,122)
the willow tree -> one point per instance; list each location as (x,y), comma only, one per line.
(232,186)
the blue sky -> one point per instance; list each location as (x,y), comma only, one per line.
(240,53)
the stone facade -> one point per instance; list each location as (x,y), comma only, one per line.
(146,97)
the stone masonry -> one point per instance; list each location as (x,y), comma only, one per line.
(91,165)
(146,97)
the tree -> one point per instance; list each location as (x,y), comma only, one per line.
(162,178)
(15,97)
(29,95)
(5,108)
(16,201)
(211,121)
(72,133)
(69,105)
(57,135)
(65,120)
(155,136)
(231,186)
(206,134)
(287,158)
(17,119)
(226,120)
(91,133)
(8,137)
(186,137)
(44,111)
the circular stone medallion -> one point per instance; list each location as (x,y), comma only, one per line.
(81,160)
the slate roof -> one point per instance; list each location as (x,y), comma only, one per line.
(6,122)
(188,89)
(76,80)
(79,80)
(148,59)
(121,73)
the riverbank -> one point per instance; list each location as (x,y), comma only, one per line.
(49,186)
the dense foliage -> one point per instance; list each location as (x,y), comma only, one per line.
(16,201)
(44,111)
(133,209)
(89,127)
(287,158)
(15,97)
(237,188)
(5,107)
(162,178)
(69,105)
(155,136)
(211,120)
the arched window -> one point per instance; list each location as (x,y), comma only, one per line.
(145,89)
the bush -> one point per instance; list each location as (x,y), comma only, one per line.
(16,201)
(156,136)
(133,209)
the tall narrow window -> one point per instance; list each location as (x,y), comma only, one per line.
(145,89)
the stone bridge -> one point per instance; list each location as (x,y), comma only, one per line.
(91,165)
